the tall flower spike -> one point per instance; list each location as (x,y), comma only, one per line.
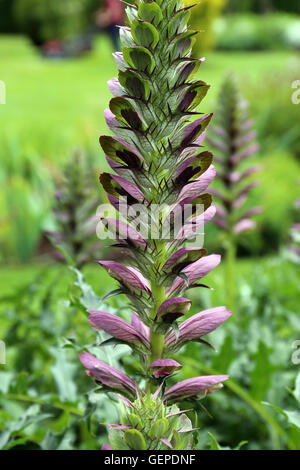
(74,212)
(233,140)
(159,171)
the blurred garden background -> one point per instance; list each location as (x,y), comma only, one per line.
(50,160)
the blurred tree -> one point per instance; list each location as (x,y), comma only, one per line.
(290,5)
(7,21)
(263,6)
(202,18)
(266,5)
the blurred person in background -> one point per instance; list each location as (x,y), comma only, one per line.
(108,18)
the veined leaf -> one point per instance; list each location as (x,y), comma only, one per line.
(145,34)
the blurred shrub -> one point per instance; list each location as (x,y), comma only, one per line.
(291,5)
(22,222)
(277,191)
(259,6)
(202,19)
(236,6)
(42,20)
(24,202)
(257,32)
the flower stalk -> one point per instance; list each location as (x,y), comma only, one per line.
(74,212)
(233,141)
(159,190)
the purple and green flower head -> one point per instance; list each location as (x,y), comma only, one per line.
(160,169)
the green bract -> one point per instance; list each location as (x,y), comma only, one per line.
(152,425)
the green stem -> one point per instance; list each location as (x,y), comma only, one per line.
(157,346)
(156,339)
(230,273)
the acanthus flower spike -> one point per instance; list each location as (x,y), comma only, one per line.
(234,141)
(161,171)
(74,212)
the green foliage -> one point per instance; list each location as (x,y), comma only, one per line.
(256,348)
(46,406)
(234,6)
(214,445)
(33,316)
(292,417)
(134,440)
(32,416)
(291,5)
(257,32)
(279,141)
